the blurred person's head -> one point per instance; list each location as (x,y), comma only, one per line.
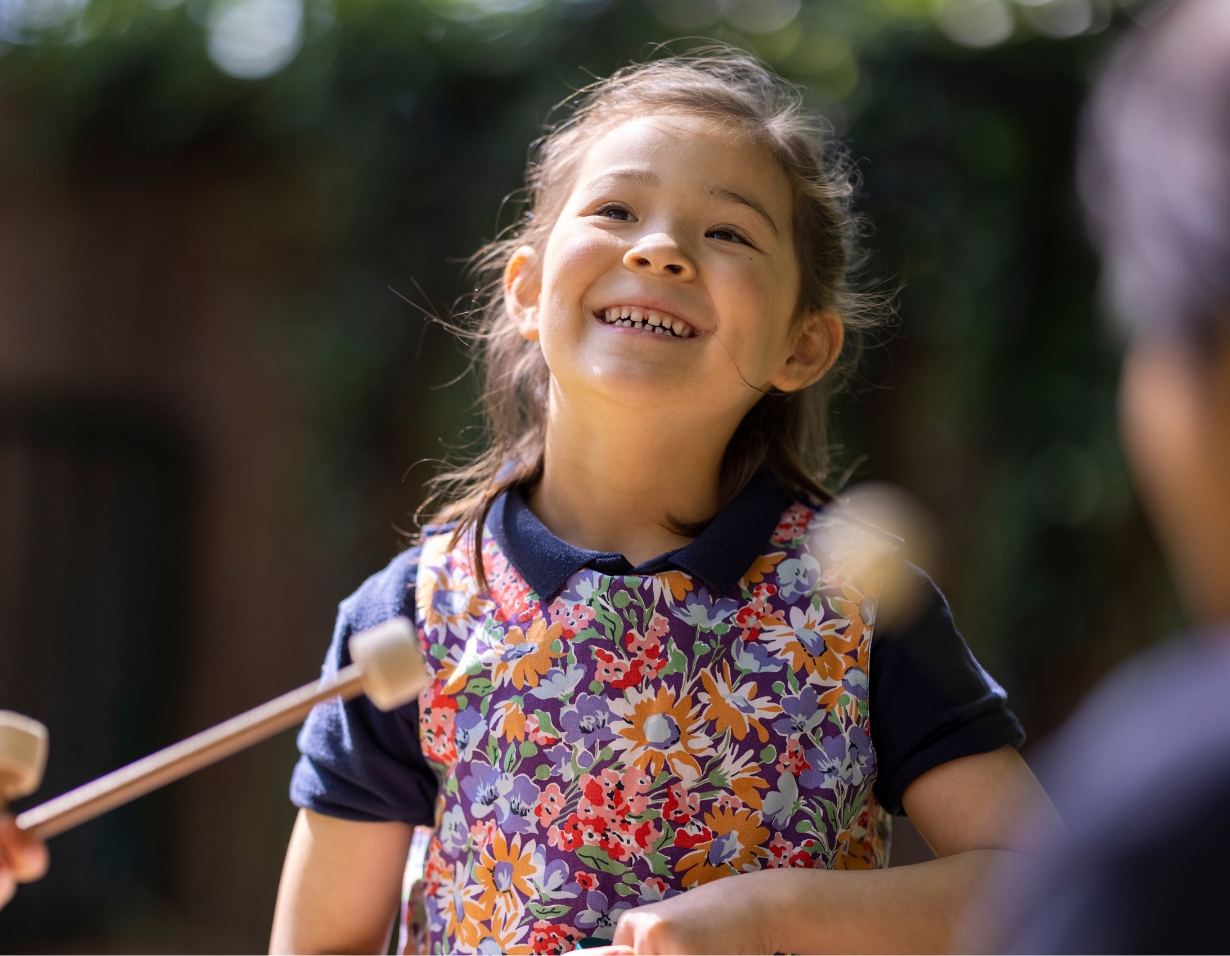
(1155,178)
(690,187)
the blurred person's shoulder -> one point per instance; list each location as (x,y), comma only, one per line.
(1160,718)
(1141,776)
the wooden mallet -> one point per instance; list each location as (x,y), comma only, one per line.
(388,667)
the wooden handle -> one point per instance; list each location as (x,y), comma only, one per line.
(158,769)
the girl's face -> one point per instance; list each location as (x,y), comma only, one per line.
(670,279)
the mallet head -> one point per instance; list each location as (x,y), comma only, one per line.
(393,668)
(23,755)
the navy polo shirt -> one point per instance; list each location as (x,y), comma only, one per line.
(930,700)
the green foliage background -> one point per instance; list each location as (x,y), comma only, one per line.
(379,158)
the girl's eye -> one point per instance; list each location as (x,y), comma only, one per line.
(726,235)
(618,213)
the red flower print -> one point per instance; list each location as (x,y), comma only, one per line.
(436,730)
(618,673)
(604,794)
(587,881)
(659,626)
(655,883)
(572,617)
(693,835)
(550,805)
(780,850)
(793,761)
(680,805)
(793,524)
(804,857)
(567,836)
(646,650)
(482,833)
(548,938)
(534,733)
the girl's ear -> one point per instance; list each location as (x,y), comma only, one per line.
(522,287)
(816,347)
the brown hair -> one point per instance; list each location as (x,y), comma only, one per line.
(784,432)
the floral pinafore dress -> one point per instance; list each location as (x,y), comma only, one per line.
(637,736)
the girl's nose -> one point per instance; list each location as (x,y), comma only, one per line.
(659,254)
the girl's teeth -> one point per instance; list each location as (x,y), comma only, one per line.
(628,317)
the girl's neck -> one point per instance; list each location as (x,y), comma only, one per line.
(617,482)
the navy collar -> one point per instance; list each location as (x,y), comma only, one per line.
(720,556)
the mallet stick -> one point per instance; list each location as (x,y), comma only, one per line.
(388,668)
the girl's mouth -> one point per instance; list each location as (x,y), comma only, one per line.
(634,317)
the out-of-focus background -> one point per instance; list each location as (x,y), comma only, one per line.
(215,398)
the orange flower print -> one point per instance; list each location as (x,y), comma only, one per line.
(678,583)
(504,871)
(735,708)
(740,772)
(508,721)
(527,656)
(659,731)
(760,567)
(736,846)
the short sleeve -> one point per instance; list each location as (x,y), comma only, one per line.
(930,700)
(358,762)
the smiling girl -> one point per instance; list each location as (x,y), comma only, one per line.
(667,710)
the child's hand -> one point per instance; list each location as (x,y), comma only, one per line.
(732,915)
(22,858)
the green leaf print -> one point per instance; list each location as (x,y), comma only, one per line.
(585,634)
(605,754)
(678,664)
(510,758)
(528,749)
(479,686)
(450,785)
(621,599)
(779,688)
(599,859)
(631,877)
(484,706)
(542,771)
(769,754)
(462,701)
(548,912)
(700,647)
(595,687)
(624,890)
(794,681)
(493,750)
(439,651)
(545,724)
(659,864)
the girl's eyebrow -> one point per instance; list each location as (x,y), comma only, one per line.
(731,196)
(627,174)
